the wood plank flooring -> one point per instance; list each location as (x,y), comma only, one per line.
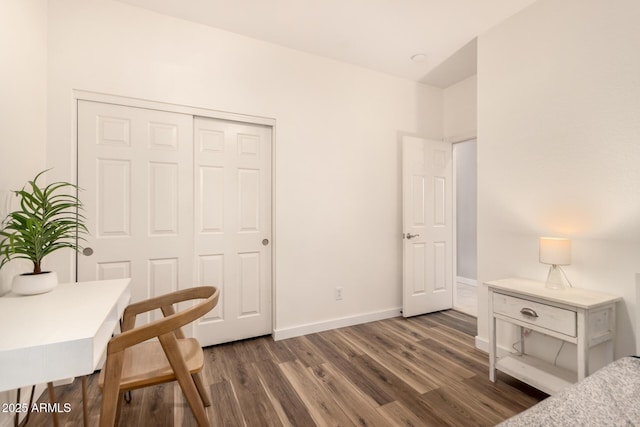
(421,371)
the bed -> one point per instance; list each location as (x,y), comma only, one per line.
(609,397)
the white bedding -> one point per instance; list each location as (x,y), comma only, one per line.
(609,397)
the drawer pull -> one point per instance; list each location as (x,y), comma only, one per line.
(528,312)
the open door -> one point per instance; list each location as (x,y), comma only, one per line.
(427,278)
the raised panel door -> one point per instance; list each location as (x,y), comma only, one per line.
(233,227)
(135,167)
(427,226)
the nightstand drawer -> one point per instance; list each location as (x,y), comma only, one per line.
(541,315)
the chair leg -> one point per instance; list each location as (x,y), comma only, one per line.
(202,389)
(111,389)
(171,349)
(191,393)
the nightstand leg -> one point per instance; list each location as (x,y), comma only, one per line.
(492,340)
(582,346)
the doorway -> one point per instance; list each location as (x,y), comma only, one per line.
(465,195)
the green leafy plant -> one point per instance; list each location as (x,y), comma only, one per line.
(49,219)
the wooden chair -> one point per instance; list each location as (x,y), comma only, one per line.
(133,363)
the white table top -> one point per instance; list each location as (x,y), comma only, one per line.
(58,334)
(576,297)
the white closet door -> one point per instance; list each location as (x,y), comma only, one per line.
(232,177)
(173,208)
(135,167)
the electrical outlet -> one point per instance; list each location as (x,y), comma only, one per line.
(338,293)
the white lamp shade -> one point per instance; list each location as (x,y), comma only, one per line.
(555,250)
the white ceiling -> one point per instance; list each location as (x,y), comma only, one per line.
(378,34)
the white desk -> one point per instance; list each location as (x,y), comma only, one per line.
(60,334)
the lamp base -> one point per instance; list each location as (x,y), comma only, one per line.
(556,279)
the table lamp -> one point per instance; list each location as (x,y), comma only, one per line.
(555,251)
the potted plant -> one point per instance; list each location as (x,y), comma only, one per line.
(49,218)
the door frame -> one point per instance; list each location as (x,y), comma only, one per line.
(84,95)
(453,141)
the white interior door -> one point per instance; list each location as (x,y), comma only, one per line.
(233,227)
(135,169)
(427,226)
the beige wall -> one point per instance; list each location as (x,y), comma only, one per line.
(23,37)
(460,110)
(559,147)
(338,219)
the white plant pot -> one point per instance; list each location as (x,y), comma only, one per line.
(33,284)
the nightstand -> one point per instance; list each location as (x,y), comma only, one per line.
(579,316)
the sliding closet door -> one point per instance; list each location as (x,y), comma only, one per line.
(135,167)
(174,201)
(233,227)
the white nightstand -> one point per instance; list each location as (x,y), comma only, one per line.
(579,316)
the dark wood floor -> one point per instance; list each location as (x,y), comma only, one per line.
(420,371)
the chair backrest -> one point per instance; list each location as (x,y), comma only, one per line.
(172,322)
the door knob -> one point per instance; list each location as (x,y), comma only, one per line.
(87,251)
(411,236)
(265,242)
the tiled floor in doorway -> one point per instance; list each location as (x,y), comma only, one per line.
(466,299)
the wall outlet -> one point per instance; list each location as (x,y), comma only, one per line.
(338,293)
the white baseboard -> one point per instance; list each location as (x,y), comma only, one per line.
(466,281)
(482,344)
(310,328)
